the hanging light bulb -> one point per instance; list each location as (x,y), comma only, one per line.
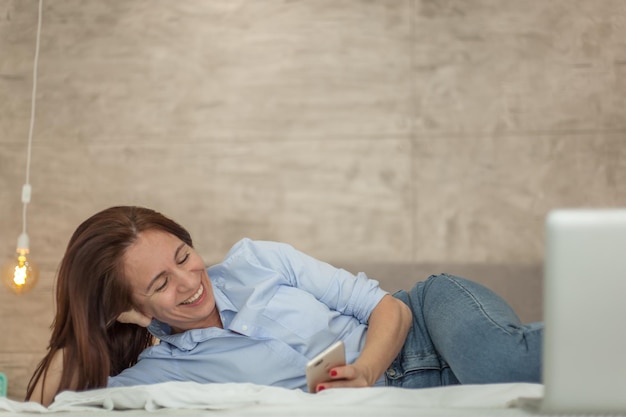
(20,274)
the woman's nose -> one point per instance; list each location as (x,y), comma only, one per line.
(186,280)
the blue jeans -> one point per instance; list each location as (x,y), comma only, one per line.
(463,333)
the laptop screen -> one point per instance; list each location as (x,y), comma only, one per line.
(584,357)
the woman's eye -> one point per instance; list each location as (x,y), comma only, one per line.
(162,286)
(184,259)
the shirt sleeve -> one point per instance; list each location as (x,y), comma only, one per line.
(144,372)
(340,290)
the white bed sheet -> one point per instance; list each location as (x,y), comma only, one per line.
(183,399)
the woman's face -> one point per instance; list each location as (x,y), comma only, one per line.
(169,282)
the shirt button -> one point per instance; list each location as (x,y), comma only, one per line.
(244,327)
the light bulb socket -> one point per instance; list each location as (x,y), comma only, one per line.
(26,192)
(22,243)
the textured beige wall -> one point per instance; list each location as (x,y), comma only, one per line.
(399,132)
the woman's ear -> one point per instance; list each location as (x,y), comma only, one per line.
(134,317)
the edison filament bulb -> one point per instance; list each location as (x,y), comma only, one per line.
(20,274)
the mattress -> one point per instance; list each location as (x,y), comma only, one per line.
(216,400)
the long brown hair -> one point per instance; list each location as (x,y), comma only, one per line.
(91,292)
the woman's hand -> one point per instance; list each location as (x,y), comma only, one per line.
(134,317)
(388,326)
(348,376)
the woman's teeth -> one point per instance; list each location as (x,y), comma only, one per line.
(194,297)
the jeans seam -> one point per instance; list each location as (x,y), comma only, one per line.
(481,308)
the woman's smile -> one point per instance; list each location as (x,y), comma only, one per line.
(195,299)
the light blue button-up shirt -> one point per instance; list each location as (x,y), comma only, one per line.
(279,307)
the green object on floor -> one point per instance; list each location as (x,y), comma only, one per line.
(3,385)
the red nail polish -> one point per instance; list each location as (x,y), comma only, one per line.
(333,373)
(321,388)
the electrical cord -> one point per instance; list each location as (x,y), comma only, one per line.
(26,189)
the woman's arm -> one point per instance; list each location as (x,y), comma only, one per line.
(48,383)
(388,327)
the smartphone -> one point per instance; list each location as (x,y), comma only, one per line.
(317,369)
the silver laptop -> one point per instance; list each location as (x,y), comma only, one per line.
(584,352)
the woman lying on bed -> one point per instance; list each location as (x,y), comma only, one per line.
(131,275)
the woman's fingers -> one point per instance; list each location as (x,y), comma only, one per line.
(348,376)
(134,317)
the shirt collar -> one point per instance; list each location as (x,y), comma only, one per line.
(187,340)
(184,341)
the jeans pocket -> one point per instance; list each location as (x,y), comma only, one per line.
(415,371)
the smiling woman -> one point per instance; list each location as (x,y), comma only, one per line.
(131,274)
(169,280)
(88,343)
